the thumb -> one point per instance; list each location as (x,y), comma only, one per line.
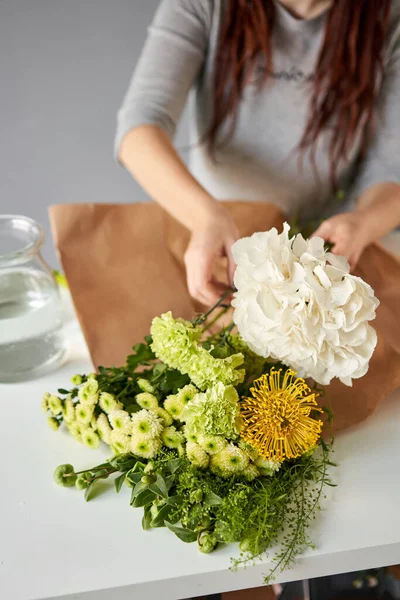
(231,262)
(323,231)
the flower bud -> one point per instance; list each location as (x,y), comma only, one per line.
(145,385)
(207,542)
(197,496)
(149,468)
(148,479)
(76,379)
(82,483)
(65,476)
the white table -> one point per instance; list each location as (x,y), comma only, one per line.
(54,545)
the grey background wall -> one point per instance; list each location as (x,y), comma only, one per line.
(64,68)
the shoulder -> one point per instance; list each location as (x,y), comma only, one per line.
(393,35)
(199,9)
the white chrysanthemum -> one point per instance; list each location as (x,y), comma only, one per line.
(147,401)
(267,467)
(175,405)
(212,444)
(108,402)
(145,448)
(197,456)
(164,415)
(230,461)
(84,413)
(88,394)
(90,438)
(146,425)
(299,304)
(120,442)
(121,420)
(104,429)
(171,438)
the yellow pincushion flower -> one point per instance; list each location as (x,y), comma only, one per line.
(277,420)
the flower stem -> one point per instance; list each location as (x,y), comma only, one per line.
(205,316)
(215,319)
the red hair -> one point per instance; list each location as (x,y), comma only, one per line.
(344,86)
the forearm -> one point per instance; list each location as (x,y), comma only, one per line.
(380,208)
(150,157)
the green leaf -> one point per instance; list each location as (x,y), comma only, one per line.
(146,520)
(174,500)
(123,462)
(172,381)
(169,482)
(211,499)
(185,535)
(89,492)
(134,477)
(159,487)
(142,355)
(139,487)
(119,482)
(62,391)
(143,499)
(162,515)
(173,465)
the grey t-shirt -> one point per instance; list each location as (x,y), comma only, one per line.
(259,162)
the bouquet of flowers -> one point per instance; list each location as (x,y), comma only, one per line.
(218,434)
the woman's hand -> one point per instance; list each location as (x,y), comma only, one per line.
(212,238)
(349,233)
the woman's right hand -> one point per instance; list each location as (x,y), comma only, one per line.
(211,239)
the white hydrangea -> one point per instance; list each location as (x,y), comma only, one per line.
(299,304)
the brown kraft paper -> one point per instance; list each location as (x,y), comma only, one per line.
(124,265)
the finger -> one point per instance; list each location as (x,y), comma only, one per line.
(323,231)
(231,262)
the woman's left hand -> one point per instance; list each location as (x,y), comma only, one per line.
(349,233)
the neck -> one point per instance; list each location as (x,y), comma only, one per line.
(306,9)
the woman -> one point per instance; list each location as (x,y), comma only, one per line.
(292,101)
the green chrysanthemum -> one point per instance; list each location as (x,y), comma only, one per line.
(69,411)
(120,420)
(120,442)
(75,428)
(214,412)
(146,425)
(45,402)
(172,438)
(249,450)
(53,423)
(164,416)
(145,386)
(103,428)
(55,405)
(197,456)
(176,343)
(175,405)
(84,413)
(212,444)
(88,394)
(267,467)
(76,379)
(146,448)
(230,461)
(108,402)
(147,400)
(187,393)
(251,473)
(90,438)
(190,434)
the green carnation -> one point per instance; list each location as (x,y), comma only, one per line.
(84,413)
(177,344)
(90,438)
(212,444)
(146,448)
(53,423)
(145,386)
(146,425)
(147,400)
(214,412)
(197,456)
(229,462)
(65,475)
(172,438)
(55,405)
